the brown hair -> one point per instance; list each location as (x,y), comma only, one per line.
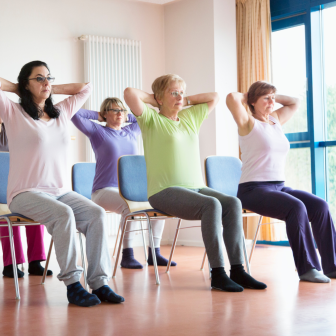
(161,84)
(107,105)
(256,90)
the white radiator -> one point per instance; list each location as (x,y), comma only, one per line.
(111,65)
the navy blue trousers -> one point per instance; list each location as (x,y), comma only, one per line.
(297,208)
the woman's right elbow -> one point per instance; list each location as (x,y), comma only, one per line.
(128,92)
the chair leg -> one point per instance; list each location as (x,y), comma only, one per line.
(47,262)
(151,241)
(174,244)
(203,261)
(119,247)
(144,240)
(116,242)
(246,258)
(83,260)
(209,269)
(255,238)
(11,240)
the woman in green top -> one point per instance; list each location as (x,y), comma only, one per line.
(175,182)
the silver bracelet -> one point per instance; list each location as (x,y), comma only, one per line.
(188,101)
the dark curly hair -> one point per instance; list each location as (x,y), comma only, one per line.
(27,101)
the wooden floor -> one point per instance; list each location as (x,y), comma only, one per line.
(182,305)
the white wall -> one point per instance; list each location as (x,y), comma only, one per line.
(48,31)
(200,45)
(225,75)
(193,38)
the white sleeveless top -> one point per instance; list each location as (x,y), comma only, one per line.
(264,152)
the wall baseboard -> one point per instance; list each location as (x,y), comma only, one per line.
(180,242)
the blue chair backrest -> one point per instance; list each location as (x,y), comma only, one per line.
(132,177)
(4,171)
(223,174)
(83,174)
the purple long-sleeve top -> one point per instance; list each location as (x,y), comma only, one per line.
(108,145)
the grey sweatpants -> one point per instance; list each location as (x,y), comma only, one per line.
(62,215)
(215,210)
(109,199)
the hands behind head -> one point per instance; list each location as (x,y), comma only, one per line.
(154,103)
(244,100)
(100,118)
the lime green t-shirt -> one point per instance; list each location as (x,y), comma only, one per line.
(172,148)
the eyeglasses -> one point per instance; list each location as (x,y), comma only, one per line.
(116,111)
(41,79)
(175,94)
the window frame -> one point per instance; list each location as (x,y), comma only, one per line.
(311,17)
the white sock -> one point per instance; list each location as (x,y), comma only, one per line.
(157,228)
(129,236)
(314,275)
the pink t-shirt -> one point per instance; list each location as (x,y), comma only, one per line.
(38,149)
(263,152)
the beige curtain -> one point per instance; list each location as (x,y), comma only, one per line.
(254,63)
(253,42)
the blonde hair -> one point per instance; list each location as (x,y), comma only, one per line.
(107,105)
(161,84)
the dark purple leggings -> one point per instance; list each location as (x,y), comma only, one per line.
(297,208)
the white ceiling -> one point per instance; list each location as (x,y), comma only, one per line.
(159,2)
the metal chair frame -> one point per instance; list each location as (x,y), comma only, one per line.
(142,215)
(10,220)
(143,237)
(178,228)
(139,211)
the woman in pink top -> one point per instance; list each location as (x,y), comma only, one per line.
(35,234)
(262,189)
(38,182)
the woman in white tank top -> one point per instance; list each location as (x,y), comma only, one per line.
(262,185)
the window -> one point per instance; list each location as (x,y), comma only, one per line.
(303,57)
(329,46)
(289,71)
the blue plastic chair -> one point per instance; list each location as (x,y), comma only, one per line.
(223,173)
(8,219)
(132,182)
(83,174)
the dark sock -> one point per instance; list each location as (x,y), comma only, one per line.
(80,297)
(238,275)
(105,293)
(220,280)
(35,268)
(8,272)
(161,261)
(128,261)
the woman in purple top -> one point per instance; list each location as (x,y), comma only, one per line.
(109,143)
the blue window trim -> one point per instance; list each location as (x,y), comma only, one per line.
(280,8)
(291,13)
(288,22)
(300,145)
(300,136)
(325,143)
